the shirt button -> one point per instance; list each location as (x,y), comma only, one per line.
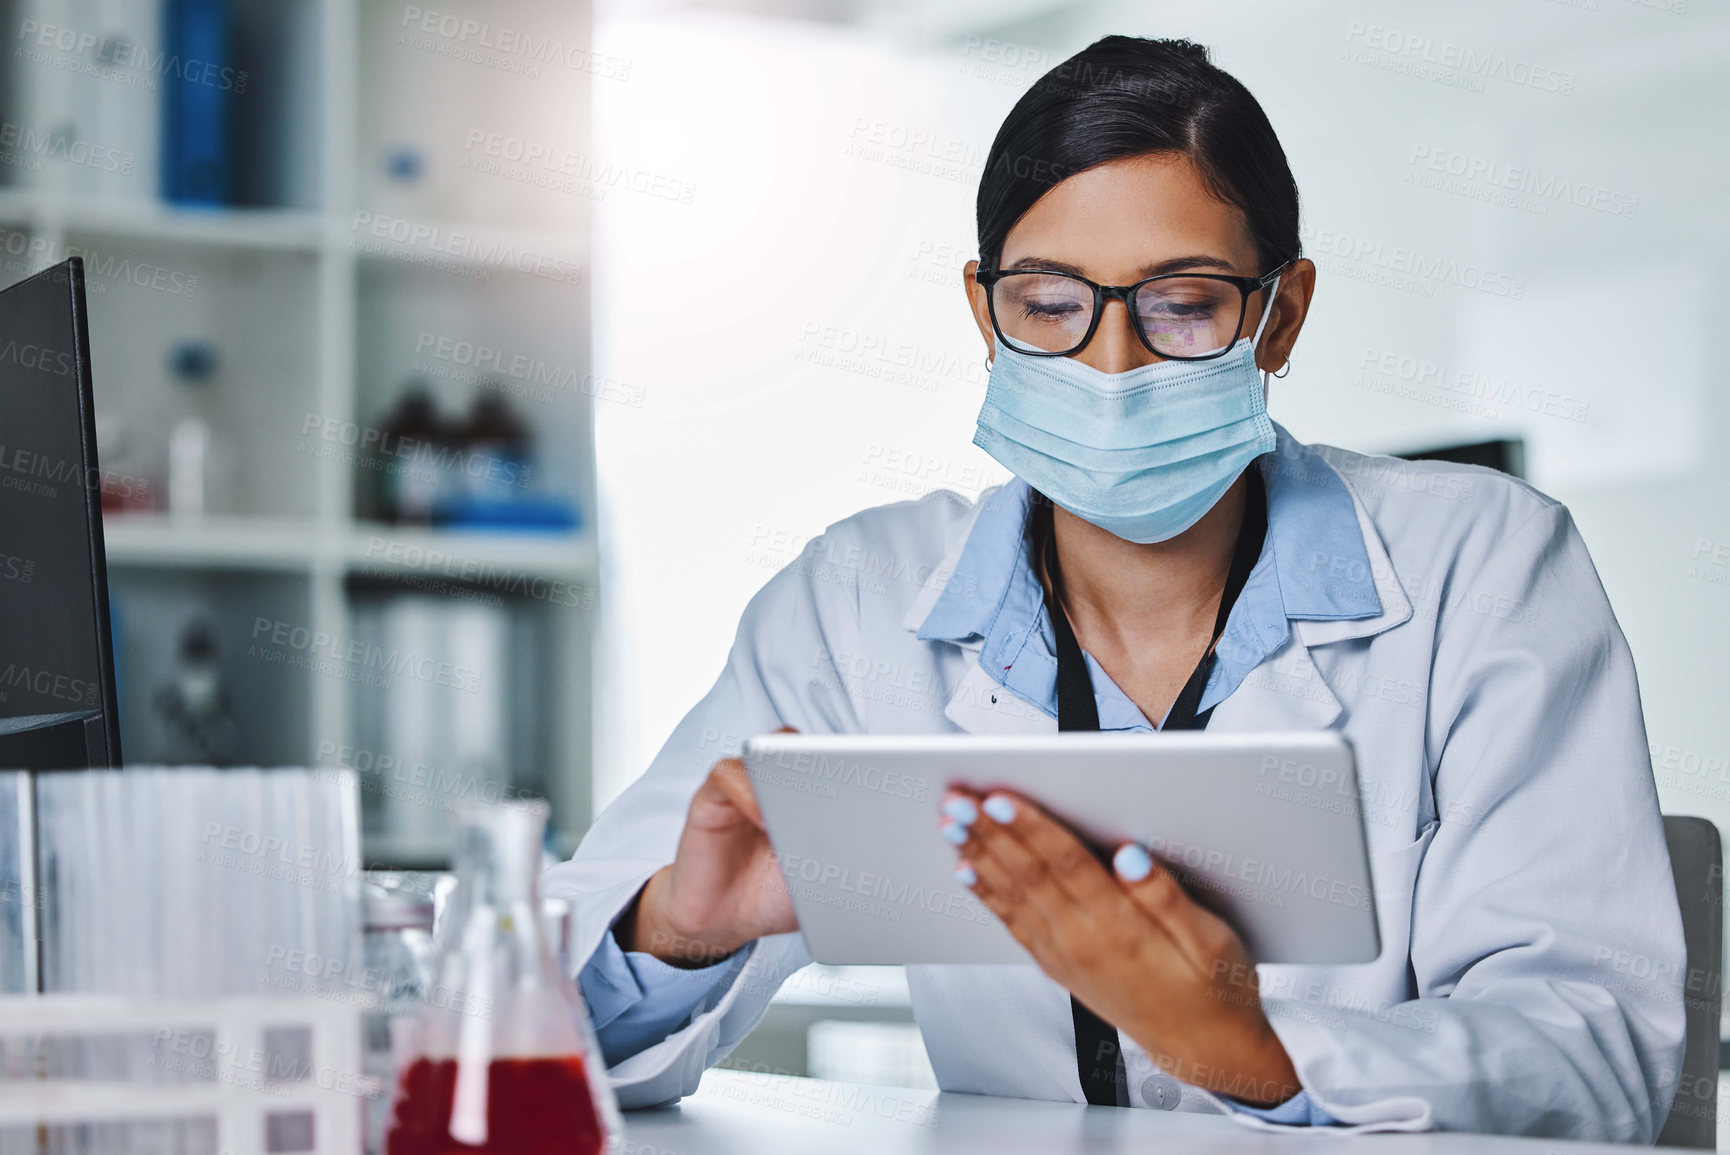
(1160,1092)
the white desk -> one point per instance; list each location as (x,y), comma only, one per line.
(736,1113)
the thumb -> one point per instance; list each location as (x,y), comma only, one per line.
(733,786)
(733,782)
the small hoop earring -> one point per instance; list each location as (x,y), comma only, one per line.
(1284,369)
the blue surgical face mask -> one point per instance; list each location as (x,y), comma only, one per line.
(1142,454)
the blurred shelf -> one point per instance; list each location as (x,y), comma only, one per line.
(467,555)
(289,544)
(555,255)
(245,543)
(287,230)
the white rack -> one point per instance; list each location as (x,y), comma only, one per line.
(336,312)
(231,1034)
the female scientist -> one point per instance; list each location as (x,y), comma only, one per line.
(1165,552)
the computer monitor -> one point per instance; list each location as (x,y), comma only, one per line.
(57,702)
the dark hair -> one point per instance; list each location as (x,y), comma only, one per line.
(1124,96)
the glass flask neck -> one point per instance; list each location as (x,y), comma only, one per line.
(491,942)
(498,855)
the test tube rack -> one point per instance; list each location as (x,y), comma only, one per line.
(256,1110)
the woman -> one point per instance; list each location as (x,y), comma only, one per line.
(1168,548)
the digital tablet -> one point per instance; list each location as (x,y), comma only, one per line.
(1265,829)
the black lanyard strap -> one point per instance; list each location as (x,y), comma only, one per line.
(1098,1050)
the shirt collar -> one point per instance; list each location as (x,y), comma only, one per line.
(1313,567)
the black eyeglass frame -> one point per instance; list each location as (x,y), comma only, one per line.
(988,278)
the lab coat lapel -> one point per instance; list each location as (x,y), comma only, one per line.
(1396,606)
(980,704)
(1287,691)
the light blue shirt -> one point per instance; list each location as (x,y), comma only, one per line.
(1312,566)
(636,999)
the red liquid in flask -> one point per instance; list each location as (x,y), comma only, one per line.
(534,1107)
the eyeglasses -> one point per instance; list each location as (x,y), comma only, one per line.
(1180,316)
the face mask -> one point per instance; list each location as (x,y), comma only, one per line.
(1142,454)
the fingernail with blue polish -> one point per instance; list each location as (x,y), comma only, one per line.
(1132,862)
(954,832)
(1000,808)
(966,875)
(963,810)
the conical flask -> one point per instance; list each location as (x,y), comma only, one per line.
(505,1061)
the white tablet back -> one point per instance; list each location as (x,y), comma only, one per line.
(1266,829)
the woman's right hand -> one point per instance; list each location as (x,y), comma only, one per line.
(723,888)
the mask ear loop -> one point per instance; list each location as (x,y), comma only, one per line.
(1255,341)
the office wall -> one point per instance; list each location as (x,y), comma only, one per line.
(794,322)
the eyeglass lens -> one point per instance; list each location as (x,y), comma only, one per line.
(1182,316)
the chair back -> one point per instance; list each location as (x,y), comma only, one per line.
(1697,862)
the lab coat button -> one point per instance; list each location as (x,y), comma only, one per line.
(1160,1092)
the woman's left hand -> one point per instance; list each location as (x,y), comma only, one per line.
(1130,944)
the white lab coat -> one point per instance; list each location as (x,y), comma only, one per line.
(1530,980)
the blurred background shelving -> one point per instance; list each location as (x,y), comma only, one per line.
(291,609)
